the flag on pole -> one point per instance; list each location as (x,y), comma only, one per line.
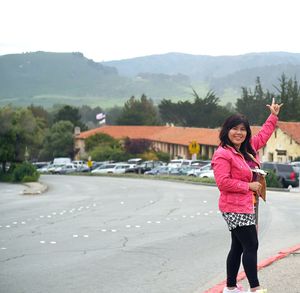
(100,116)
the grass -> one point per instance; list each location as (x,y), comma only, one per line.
(185,179)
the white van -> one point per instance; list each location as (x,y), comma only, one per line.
(61,161)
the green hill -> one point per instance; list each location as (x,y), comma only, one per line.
(45,78)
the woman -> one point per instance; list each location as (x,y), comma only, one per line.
(232,163)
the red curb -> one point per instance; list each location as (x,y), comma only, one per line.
(281,254)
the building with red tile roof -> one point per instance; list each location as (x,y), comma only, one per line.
(170,139)
(284,145)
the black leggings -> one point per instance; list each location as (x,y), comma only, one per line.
(243,241)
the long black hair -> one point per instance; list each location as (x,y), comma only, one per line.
(231,122)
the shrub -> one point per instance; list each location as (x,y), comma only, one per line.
(24,172)
(107,153)
(149,156)
(162,156)
(272,180)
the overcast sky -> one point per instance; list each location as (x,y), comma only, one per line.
(119,29)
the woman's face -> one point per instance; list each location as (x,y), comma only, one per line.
(237,135)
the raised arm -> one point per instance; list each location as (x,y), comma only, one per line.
(259,140)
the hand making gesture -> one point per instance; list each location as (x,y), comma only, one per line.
(274,108)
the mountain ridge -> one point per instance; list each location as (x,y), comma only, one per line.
(47,78)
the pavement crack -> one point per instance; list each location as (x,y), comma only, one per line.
(125,241)
(147,205)
(172,211)
(11,258)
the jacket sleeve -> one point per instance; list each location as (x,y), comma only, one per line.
(260,139)
(221,166)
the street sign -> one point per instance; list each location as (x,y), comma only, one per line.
(194,147)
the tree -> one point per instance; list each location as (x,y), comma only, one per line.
(19,133)
(68,113)
(136,146)
(201,113)
(88,115)
(113,114)
(58,141)
(139,112)
(100,139)
(253,105)
(289,95)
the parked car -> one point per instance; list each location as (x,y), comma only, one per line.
(200,163)
(96,165)
(66,169)
(296,166)
(284,172)
(183,170)
(78,163)
(179,163)
(194,170)
(83,168)
(144,167)
(61,161)
(206,171)
(117,168)
(44,169)
(134,162)
(159,170)
(39,165)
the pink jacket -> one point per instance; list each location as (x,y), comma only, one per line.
(232,173)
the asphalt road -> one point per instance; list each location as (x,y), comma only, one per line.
(109,235)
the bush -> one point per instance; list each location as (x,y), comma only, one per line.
(149,156)
(5,177)
(107,153)
(162,156)
(24,172)
(272,180)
